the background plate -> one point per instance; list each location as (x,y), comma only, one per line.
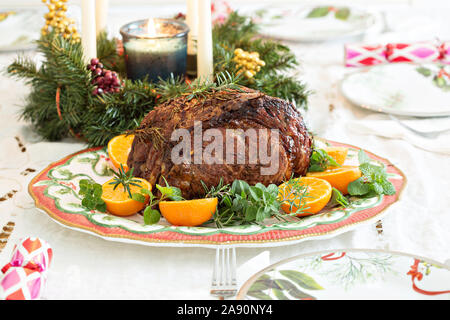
(355,274)
(292,23)
(20,28)
(400,88)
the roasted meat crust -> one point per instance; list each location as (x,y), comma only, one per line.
(224,110)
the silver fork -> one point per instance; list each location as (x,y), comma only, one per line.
(429,134)
(224,284)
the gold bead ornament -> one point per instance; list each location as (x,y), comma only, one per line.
(247,63)
(56,18)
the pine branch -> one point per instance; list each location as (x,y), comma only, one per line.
(75,111)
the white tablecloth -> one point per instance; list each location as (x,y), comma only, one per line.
(87,267)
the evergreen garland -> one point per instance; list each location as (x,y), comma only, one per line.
(61,103)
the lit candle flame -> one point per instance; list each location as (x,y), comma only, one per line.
(151,30)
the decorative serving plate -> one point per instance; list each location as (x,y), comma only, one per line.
(296,23)
(401,88)
(354,274)
(55,191)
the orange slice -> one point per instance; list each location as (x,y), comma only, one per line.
(118,149)
(318,194)
(118,201)
(338,177)
(188,212)
(339,154)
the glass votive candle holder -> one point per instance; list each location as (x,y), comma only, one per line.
(155,48)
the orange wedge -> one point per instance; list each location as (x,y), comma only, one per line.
(338,177)
(118,149)
(188,212)
(318,194)
(339,154)
(118,201)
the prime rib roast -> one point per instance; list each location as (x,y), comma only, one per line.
(244,109)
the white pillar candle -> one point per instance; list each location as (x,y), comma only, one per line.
(205,68)
(88,36)
(192,22)
(101,14)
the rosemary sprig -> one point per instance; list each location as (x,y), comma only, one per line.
(126,179)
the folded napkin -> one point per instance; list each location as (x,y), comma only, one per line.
(24,277)
(361,55)
(382,125)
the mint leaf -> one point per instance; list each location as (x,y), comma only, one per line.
(101,207)
(374,180)
(337,198)
(138,197)
(251,213)
(358,187)
(151,216)
(146,191)
(363,157)
(320,160)
(388,188)
(173,193)
(377,188)
(91,194)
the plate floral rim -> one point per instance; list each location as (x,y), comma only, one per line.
(386,110)
(247,284)
(172,238)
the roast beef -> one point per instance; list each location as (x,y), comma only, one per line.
(227,111)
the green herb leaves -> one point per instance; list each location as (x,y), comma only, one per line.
(338,199)
(320,161)
(92,195)
(151,215)
(241,203)
(373,181)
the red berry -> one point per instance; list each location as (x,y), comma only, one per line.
(94,61)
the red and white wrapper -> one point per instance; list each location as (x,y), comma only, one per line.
(357,55)
(24,277)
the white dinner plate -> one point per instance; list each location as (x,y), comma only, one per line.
(19,28)
(296,24)
(353,274)
(401,88)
